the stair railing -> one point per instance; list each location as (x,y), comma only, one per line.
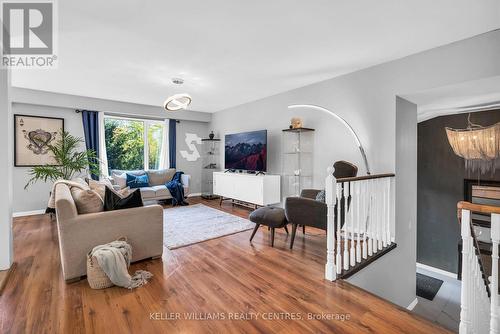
(360,220)
(479,311)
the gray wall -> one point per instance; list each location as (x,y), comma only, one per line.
(35,197)
(62,105)
(192,168)
(441,176)
(367,100)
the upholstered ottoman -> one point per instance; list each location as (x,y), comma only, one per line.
(268,216)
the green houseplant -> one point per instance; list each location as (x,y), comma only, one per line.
(69,161)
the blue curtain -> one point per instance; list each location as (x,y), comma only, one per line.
(172,133)
(91,131)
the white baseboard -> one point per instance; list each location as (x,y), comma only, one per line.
(194,195)
(28,213)
(412,305)
(436,270)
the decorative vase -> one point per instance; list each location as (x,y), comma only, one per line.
(211,135)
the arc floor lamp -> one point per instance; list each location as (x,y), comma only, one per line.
(343,121)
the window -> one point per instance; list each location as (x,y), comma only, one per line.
(133,143)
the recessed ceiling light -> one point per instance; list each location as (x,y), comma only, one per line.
(177,102)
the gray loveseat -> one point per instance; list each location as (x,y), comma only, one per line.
(157,180)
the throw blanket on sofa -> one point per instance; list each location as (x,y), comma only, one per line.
(176,189)
(114,260)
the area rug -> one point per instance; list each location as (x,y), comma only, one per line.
(187,225)
(427,287)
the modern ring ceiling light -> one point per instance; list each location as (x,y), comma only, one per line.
(478,145)
(177,101)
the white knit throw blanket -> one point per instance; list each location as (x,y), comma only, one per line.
(114,260)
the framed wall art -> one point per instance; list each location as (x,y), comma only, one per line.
(32,135)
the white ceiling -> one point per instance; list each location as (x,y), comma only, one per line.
(235,51)
(469,96)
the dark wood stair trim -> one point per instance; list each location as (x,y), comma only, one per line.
(366,262)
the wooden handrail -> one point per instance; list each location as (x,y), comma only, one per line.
(478,208)
(364,177)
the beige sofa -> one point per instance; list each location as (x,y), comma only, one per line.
(78,234)
(157,180)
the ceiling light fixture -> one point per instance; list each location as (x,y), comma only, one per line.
(177,101)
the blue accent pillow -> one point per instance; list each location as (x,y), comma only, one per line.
(137,181)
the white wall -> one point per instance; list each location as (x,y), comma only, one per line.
(6,151)
(30,102)
(367,100)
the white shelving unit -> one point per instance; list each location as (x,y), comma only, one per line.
(211,164)
(297,169)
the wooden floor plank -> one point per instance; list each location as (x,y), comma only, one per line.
(222,278)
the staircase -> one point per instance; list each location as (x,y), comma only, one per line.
(360,222)
(479,296)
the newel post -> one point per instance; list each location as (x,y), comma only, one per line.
(465,322)
(330,199)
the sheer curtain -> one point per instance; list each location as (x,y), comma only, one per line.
(165,155)
(103,157)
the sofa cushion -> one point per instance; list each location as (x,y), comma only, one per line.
(113,201)
(99,186)
(133,172)
(147,192)
(161,191)
(137,181)
(87,201)
(160,176)
(120,180)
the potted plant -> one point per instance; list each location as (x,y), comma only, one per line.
(69,161)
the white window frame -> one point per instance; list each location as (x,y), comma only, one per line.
(147,123)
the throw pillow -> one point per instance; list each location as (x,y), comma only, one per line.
(113,201)
(99,186)
(320,197)
(87,201)
(137,181)
(120,180)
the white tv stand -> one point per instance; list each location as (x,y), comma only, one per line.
(250,188)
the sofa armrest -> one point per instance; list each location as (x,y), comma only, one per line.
(306,211)
(142,226)
(185,178)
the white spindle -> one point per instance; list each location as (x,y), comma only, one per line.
(388,210)
(364,192)
(352,251)
(495,238)
(346,239)
(369,185)
(359,217)
(379,214)
(338,259)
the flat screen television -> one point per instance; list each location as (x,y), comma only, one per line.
(246,151)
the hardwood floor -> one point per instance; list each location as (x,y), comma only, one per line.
(247,287)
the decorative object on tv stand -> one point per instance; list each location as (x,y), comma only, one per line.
(177,101)
(211,160)
(211,135)
(343,121)
(296,123)
(246,151)
(69,161)
(478,145)
(297,169)
(33,136)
